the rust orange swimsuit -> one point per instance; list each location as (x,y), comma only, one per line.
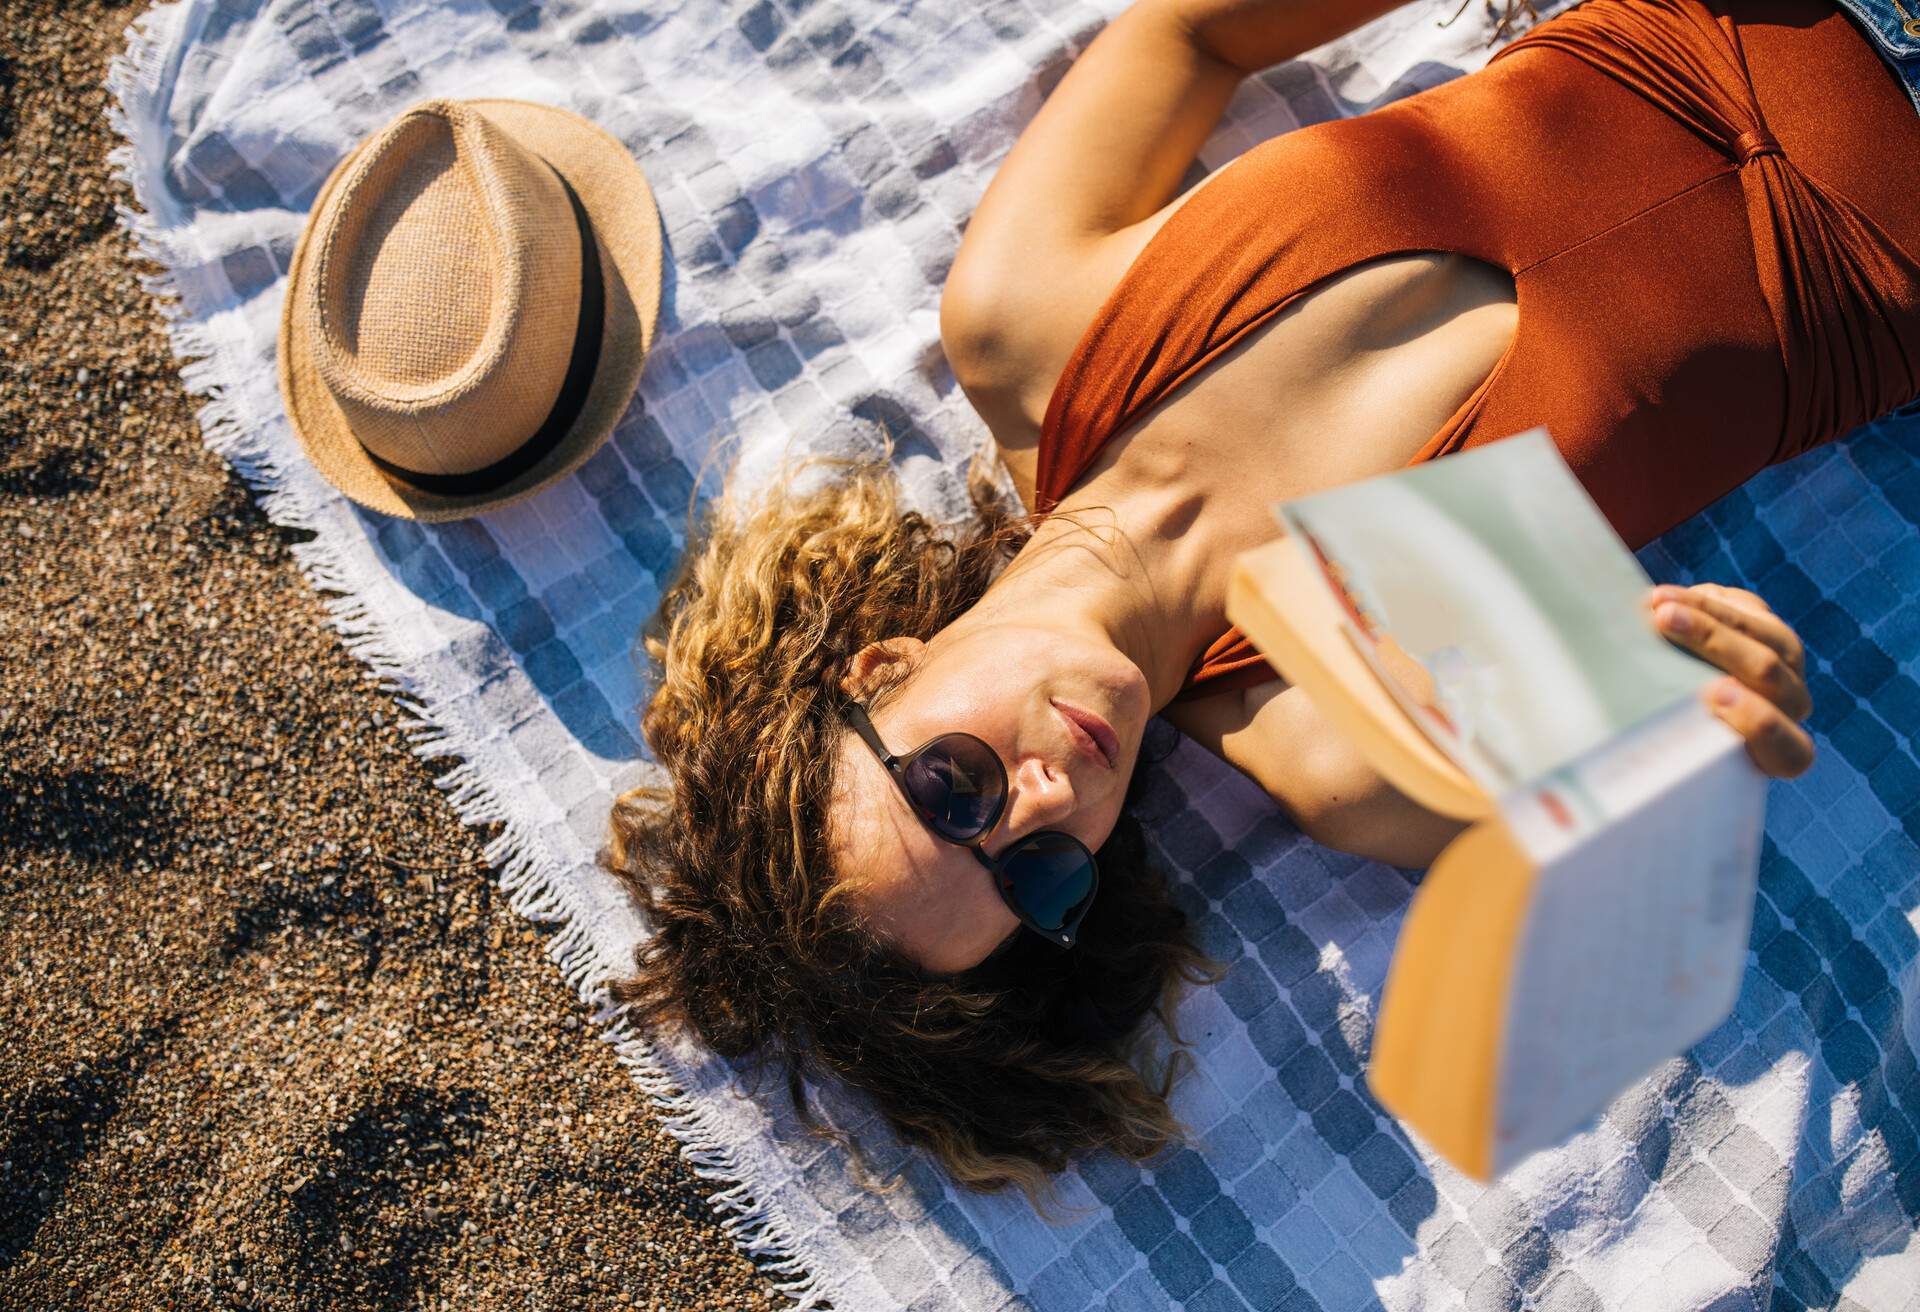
(1710,211)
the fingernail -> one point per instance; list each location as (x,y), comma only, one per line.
(1726,693)
(1674,617)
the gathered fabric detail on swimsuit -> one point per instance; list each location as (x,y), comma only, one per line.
(1822,263)
(1708,210)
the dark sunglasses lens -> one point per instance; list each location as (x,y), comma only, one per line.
(1052,875)
(958,782)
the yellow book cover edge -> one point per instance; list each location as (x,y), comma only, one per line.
(1282,604)
(1438,1040)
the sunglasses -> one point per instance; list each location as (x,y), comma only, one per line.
(957,785)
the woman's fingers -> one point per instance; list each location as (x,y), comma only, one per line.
(1777,745)
(1753,645)
(1767,693)
(1744,611)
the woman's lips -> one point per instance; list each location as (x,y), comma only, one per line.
(1092,735)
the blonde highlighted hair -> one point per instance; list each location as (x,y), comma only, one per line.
(1003,1072)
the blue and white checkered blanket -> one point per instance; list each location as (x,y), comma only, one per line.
(814,161)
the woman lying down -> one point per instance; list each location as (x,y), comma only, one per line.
(896,843)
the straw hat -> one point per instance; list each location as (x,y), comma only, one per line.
(469,306)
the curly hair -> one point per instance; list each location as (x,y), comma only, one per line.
(1003,1072)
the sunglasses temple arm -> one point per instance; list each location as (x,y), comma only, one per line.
(856,715)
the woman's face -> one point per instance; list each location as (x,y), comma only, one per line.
(1065,712)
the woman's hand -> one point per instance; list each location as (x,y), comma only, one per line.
(1766,693)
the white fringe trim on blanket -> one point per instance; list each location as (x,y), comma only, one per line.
(530,875)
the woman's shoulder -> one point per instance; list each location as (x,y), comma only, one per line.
(1009,325)
(1012,312)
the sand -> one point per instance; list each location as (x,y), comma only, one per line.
(269,1037)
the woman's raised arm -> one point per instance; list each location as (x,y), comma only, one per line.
(1091,177)
(1110,145)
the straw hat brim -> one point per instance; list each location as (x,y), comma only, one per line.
(626,227)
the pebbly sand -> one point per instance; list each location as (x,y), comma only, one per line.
(268,1036)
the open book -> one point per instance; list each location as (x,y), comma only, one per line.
(1476,626)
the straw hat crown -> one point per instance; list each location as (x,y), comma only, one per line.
(445,291)
(469,306)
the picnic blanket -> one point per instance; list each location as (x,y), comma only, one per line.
(814,161)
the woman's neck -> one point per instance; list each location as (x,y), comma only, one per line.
(1151,588)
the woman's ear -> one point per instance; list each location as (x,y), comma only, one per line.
(879,664)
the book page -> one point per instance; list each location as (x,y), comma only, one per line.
(1496,573)
(1636,938)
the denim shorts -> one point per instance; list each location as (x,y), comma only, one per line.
(1894,28)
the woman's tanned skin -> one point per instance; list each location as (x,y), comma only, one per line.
(1350,381)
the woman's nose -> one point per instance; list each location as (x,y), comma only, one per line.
(1042,798)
